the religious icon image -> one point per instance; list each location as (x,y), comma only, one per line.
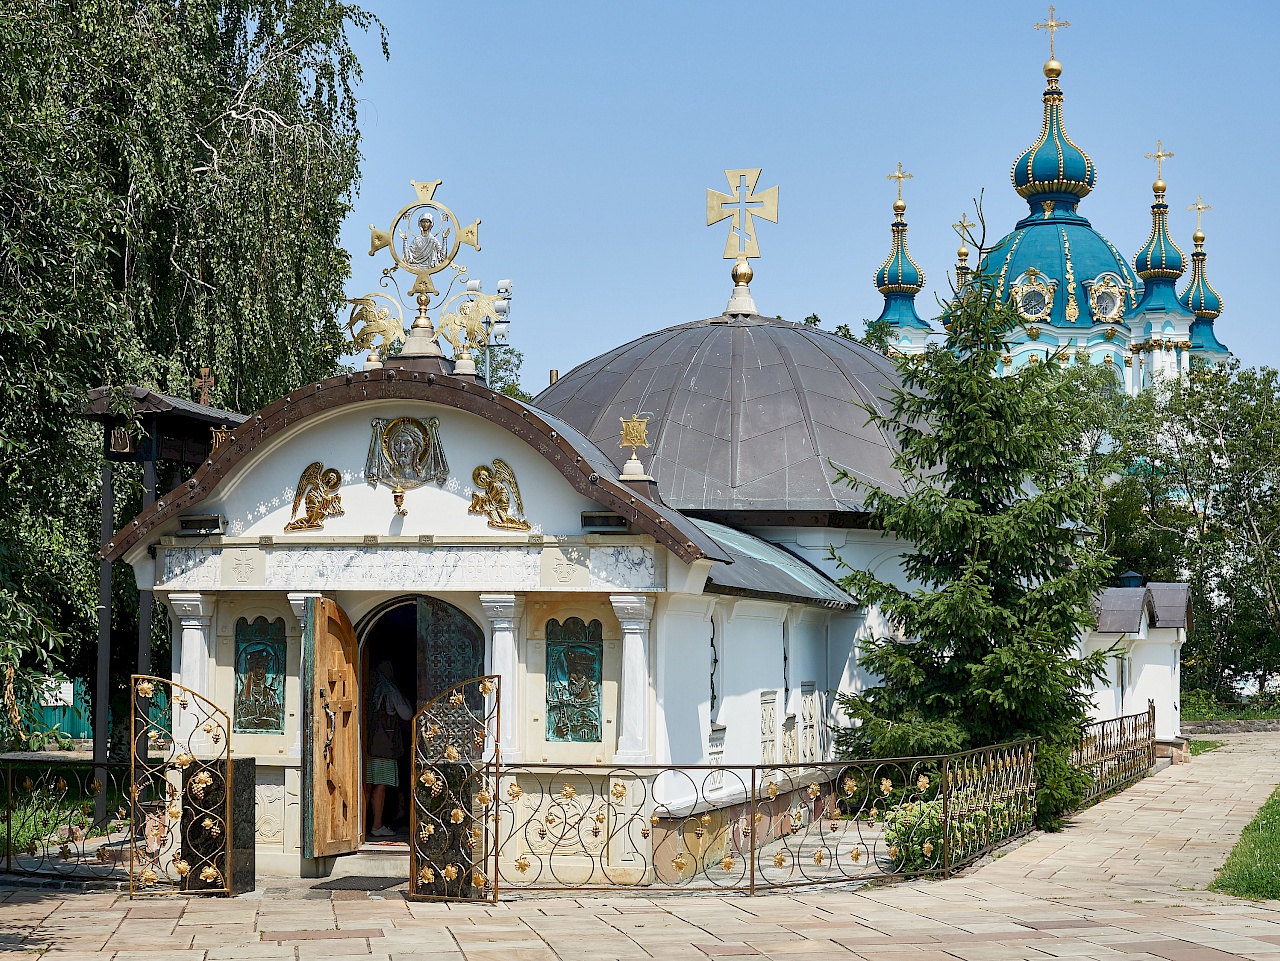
(406,453)
(496,491)
(318,492)
(575,651)
(260,672)
(429,246)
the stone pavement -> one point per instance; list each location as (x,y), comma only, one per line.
(1124,882)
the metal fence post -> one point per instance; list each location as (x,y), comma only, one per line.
(751,833)
(1151,733)
(8,818)
(946,824)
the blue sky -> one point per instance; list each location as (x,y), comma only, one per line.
(584,136)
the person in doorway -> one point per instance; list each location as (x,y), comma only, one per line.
(387,710)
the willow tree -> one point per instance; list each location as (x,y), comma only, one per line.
(172,182)
(995,522)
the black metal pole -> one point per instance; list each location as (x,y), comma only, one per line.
(102,684)
(146,600)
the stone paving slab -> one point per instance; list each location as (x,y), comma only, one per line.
(1124,882)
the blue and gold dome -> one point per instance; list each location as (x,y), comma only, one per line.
(1056,269)
(1053,166)
(900,278)
(1200,298)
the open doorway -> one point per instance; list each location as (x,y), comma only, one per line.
(390,682)
(424,646)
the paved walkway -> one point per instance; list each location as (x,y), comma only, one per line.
(1125,882)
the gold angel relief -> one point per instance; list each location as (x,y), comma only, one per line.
(318,492)
(496,492)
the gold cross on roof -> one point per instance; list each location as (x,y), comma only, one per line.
(899,176)
(1053,26)
(1160,156)
(962,228)
(743,204)
(1199,207)
(204,383)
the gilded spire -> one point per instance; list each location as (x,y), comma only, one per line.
(899,277)
(1200,298)
(1160,257)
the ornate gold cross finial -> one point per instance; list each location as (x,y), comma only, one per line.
(1199,207)
(1160,156)
(1053,26)
(899,176)
(962,228)
(204,383)
(742,204)
(635,432)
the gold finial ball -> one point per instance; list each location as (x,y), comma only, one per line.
(1197,237)
(1053,70)
(742,272)
(1159,186)
(962,253)
(899,206)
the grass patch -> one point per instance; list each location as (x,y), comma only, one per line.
(1253,867)
(1204,745)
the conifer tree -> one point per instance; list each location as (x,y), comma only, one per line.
(995,520)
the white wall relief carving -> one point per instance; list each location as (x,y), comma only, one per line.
(188,567)
(458,568)
(623,567)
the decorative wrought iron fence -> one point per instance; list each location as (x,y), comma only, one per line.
(1117,752)
(66,818)
(685,827)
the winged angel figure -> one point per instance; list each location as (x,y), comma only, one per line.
(318,489)
(496,490)
(374,322)
(468,328)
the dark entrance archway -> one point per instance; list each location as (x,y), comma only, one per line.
(431,646)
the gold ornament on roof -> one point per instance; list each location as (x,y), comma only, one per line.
(1160,156)
(635,432)
(204,383)
(429,250)
(1199,207)
(899,176)
(740,207)
(1052,25)
(375,321)
(218,436)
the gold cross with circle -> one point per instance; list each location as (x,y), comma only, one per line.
(962,228)
(899,176)
(1053,26)
(1160,156)
(1199,207)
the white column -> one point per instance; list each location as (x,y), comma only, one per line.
(194,616)
(634,613)
(504,611)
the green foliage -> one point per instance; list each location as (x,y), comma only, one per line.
(875,334)
(1252,869)
(1203,746)
(504,363)
(1198,499)
(982,647)
(914,832)
(1201,705)
(172,181)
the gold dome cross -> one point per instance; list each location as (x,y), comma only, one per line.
(899,176)
(1199,207)
(1160,156)
(1053,26)
(742,205)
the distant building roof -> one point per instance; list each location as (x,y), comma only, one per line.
(147,401)
(1120,609)
(761,569)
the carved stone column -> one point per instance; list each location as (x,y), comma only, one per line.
(634,613)
(504,612)
(194,650)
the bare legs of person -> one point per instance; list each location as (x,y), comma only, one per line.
(377,801)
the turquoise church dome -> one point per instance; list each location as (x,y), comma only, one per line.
(1055,268)
(900,278)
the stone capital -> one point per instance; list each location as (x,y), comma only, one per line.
(634,611)
(299,604)
(191,610)
(502,607)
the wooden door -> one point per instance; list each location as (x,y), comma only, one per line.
(331,783)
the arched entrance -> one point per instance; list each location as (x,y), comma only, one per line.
(430,646)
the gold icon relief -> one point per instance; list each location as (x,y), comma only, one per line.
(496,493)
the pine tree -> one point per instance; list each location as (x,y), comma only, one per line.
(995,523)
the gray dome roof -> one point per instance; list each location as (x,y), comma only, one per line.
(746,413)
